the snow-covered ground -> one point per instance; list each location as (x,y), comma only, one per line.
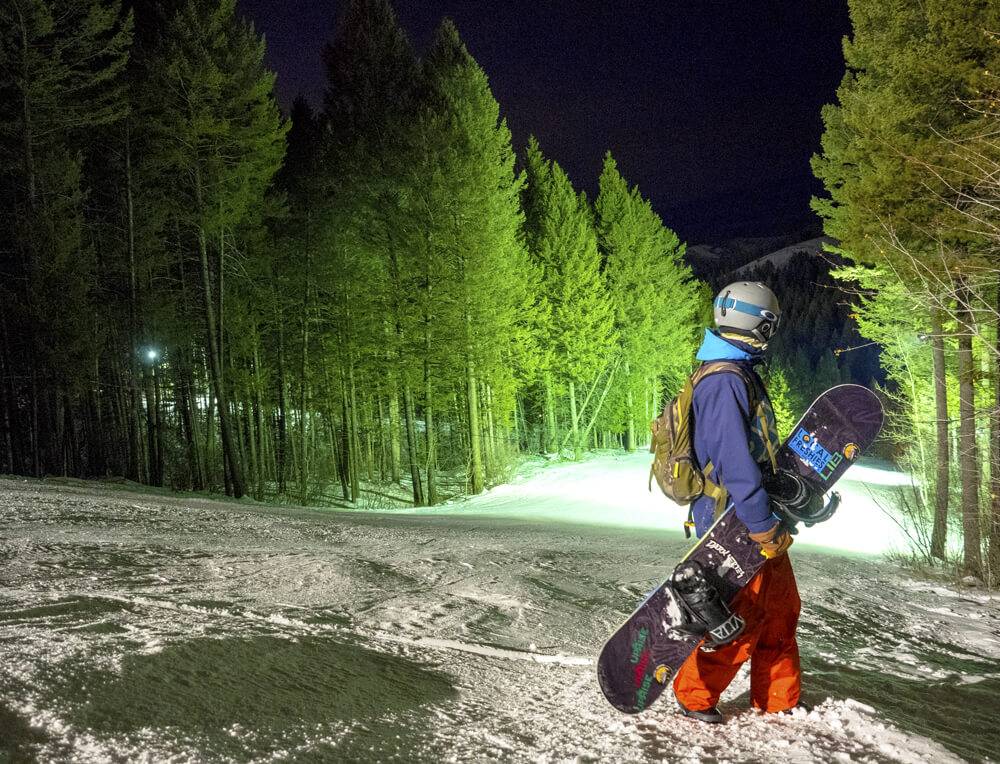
(136,627)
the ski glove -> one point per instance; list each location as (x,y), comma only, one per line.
(773,542)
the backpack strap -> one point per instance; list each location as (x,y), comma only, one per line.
(714,490)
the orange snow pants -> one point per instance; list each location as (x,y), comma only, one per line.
(770,605)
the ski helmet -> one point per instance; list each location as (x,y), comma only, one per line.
(748,308)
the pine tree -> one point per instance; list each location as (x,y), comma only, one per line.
(373,82)
(60,77)
(890,166)
(291,282)
(582,320)
(472,204)
(787,408)
(654,296)
(223,137)
(534,200)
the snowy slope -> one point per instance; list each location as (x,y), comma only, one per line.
(613,490)
(148,628)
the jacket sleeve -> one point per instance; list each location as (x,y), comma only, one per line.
(721,410)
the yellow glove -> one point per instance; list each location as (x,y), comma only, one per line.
(773,542)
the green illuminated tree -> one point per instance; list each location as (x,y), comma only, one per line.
(473,198)
(654,297)
(895,181)
(373,81)
(787,408)
(581,328)
(223,140)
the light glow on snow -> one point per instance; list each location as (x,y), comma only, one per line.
(610,489)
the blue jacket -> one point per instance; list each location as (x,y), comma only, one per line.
(720,409)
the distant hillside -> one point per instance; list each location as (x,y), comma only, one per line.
(781,257)
(818,344)
(710,262)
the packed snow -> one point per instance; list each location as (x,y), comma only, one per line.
(142,627)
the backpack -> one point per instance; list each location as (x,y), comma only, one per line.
(672,445)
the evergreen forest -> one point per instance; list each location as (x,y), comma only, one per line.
(380,297)
(202,293)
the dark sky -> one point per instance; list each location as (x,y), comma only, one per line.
(711,106)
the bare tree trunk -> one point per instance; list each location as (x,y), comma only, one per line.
(630,411)
(395,450)
(551,436)
(34,265)
(520,426)
(574,420)
(369,437)
(430,461)
(475,447)
(355,440)
(220,319)
(187,402)
(383,439)
(303,373)
(158,421)
(235,473)
(993,555)
(281,448)
(209,434)
(968,453)
(36,446)
(456,435)
(251,439)
(411,445)
(940,533)
(6,400)
(258,416)
(57,452)
(152,443)
(134,471)
(491,433)
(97,445)
(600,402)
(630,423)
(344,462)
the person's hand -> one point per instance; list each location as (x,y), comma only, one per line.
(773,542)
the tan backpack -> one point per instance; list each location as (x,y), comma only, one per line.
(672,445)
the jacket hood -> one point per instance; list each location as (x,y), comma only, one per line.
(715,348)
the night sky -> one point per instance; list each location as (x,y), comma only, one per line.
(711,106)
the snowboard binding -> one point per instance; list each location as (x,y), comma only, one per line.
(705,614)
(794,503)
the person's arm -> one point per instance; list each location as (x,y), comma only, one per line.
(721,409)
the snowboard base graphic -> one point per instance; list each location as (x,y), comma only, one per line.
(639,661)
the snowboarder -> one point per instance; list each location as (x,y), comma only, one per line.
(735,441)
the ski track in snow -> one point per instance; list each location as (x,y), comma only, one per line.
(146,628)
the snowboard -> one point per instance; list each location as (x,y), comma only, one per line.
(639,660)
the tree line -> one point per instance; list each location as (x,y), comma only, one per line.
(910,161)
(202,293)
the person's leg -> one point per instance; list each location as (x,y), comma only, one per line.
(703,677)
(775,674)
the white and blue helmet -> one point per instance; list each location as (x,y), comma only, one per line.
(748,308)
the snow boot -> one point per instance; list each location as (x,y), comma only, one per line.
(804,706)
(710,716)
(706,614)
